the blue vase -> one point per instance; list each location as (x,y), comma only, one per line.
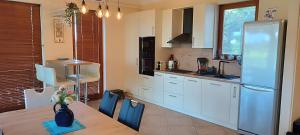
(64,117)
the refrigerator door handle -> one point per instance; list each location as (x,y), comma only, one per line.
(258,88)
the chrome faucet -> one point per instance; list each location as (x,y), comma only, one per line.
(219,69)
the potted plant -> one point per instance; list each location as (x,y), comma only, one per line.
(64,117)
(72,9)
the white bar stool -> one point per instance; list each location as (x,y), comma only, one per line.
(48,76)
(88,73)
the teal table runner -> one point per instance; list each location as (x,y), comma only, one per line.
(53,129)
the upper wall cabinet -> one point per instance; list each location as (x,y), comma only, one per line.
(204,25)
(147,23)
(171,25)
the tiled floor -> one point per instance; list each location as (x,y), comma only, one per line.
(160,121)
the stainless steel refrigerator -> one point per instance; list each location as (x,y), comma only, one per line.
(261,76)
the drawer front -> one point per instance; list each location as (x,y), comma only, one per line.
(173,101)
(146,81)
(147,94)
(174,78)
(174,87)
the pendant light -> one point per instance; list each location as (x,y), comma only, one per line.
(83,7)
(107,14)
(99,12)
(119,15)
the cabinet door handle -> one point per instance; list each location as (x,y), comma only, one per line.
(172,96)
(173,77)
(215,84)
(192,80)
(234,92)
(172,83)
(145,89)
(145,78)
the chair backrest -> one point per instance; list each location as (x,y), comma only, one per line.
(50,76)
(34,99)
(131,115)
(108,103)
(39,72)
(91,70)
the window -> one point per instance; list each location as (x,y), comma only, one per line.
(231,20)
(90,47)
(20,43)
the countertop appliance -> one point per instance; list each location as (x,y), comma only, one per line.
(202,65)
(147,55)
(261,77)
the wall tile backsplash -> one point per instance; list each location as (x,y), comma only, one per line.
(187,59)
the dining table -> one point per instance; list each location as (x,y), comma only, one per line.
(29,121)
(71,63)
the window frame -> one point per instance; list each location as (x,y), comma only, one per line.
(224,7)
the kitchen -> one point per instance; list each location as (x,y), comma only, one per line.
(187,67)
(191,75)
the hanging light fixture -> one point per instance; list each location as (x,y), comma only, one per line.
(83,7)
(107,14)
(119,15)
(99,12)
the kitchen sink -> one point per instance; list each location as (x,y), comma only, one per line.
(227,76)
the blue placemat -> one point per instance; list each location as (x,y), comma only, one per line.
(53,129)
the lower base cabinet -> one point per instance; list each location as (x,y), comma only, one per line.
(213,101)
(216,102)
(192,102)
(173,101)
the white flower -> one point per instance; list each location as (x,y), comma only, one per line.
(68,100)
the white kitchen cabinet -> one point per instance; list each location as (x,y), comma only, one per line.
(146,94)
(166,28)
(146,87)
(216,101)
(131,54)
(173,92)
(234,105)
(192,96)
(204,25)
(147,23)
(172,21)
(158,90)
(173,101)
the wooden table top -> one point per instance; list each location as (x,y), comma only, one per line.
(29,122)
(70,62)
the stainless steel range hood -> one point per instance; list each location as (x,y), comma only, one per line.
(186,36)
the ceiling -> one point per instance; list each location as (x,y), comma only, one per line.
(133,2)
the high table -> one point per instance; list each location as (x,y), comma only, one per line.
(29,122)
(73,63)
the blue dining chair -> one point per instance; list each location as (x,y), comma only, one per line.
(108,103)
(131,115)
